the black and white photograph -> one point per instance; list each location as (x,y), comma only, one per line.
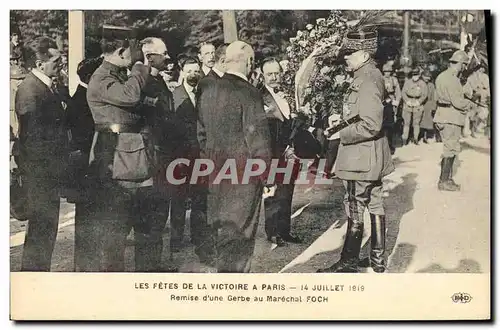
(250,141)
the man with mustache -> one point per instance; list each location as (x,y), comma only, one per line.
(185,145)
(278,208)
(207,58)
(364,157)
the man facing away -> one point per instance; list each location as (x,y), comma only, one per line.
(233,129)
(364,157)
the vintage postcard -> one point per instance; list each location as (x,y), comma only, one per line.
(250,164)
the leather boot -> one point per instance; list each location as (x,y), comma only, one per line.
(377,252)
(444,182)
(349,257)
(450,174)
(376,259)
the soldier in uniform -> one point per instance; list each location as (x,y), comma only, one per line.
(414,94)
(478,84)
(391,103)
(427,123)
(122,159)
(451,111)
(364,157)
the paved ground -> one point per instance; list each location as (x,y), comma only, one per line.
(428,231)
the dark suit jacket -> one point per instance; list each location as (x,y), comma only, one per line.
(185,141)
(279,126)
(233,126)
(43,139)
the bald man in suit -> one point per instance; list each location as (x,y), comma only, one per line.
(233,126)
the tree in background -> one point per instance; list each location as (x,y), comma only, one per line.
(183,30)
(30,24)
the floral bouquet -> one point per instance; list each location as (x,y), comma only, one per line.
(315,77)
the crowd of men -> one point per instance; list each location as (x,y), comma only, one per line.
(108,148)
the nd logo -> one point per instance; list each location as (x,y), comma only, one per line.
(461,297)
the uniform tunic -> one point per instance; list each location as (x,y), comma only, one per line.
(364,157)
(123,166)
(414,95)
(451,110)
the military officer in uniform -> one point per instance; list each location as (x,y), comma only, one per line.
(451,111)
(414,94)
(391,103)
(364,157)
(122,159)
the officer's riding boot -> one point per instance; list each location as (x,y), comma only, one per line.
(349,257)
(450,174)
(444,182)
(377,260)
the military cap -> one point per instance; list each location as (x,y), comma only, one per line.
(460,57)
(117,32)
(361,40)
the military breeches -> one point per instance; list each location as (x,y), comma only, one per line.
(450,135)
(363,194)
(414,116)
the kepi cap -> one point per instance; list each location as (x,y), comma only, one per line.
(361,40)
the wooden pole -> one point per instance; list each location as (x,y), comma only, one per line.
(406,41)
(229,26)
(76,52)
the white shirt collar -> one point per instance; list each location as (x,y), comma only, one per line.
(239,74)
(283,105)
(43,77)
(154,72)
(188,87)
(218,72)
(205,69)
(84,85)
